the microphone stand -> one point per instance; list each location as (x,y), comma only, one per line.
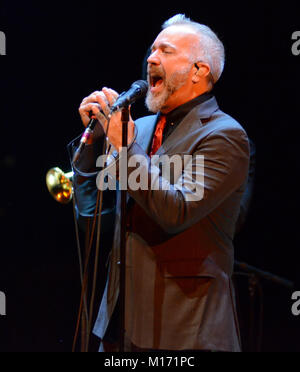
(125,120)
(125,115)
(254,275)
(264,274)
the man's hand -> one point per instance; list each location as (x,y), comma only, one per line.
(99,104)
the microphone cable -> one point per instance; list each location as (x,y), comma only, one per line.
(85,273)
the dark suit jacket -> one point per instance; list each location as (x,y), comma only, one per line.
(179,293)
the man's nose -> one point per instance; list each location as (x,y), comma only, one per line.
(153,59)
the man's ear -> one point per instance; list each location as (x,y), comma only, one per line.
(202,71)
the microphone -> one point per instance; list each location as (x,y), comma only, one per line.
(137,90)
(85,137)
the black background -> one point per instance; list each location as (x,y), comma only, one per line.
(58,53)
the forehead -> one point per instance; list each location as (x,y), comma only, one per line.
(181,37)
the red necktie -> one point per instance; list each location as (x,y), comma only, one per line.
(157,139)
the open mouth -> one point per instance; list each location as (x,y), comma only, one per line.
(156,82)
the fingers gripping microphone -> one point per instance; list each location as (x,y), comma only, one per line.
(85,137)
(137,90)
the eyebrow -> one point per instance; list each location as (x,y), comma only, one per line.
(163,45)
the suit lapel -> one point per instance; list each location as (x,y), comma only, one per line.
(190,123)
(145,128)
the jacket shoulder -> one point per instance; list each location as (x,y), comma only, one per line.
(223,122)
(220,120)
(141,122)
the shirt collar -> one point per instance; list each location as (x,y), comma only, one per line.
(176,115)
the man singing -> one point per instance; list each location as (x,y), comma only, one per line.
(179,250)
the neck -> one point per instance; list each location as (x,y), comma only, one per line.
(177,100)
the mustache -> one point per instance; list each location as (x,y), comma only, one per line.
(156,71)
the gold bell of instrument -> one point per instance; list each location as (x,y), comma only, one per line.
(60,185)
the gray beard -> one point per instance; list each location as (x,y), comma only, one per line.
(155,103)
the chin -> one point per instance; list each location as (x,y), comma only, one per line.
(156,103)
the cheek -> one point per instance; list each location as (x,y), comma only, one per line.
(177,68)
(179,77)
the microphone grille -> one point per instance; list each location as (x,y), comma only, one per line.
(143,85)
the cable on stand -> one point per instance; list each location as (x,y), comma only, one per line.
(84,272)
(255,289)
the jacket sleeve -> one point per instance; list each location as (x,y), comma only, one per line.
(217,168)
(248,193)
(84,183)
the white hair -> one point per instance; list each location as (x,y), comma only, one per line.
(210,49)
